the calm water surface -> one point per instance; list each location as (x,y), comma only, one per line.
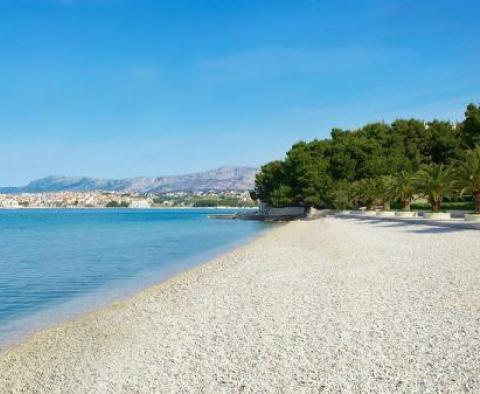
(57,263)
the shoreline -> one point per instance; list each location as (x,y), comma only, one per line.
(100,304)
(129,208)
(333,304)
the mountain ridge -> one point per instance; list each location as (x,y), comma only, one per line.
(234,178)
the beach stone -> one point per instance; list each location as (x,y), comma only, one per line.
(330,305)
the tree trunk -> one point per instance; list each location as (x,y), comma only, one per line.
(386,205)
(355,202)
(476,199)
(406,205)
(436,204)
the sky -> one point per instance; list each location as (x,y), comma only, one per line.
(121,88)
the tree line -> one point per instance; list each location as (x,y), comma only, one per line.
(378,164)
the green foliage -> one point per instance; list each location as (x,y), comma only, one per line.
(116,204)
(301,179)
(282,196)
(403,189)
(374,191)
(385,190)
(207,200)
(306,175)
(205,203)
(450,206)
(219,202)
(435,181)
(467,175)
(268,180)
(253,195)
(371,165)
(343,195)
(471,126)
(368,192)
(444,142)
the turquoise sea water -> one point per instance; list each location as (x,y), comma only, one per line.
(58,263)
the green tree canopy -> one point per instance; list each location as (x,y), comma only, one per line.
(471,126)
(467,175)
(316,173)
(434,181)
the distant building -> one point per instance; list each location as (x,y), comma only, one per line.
(140,204)
(9,203)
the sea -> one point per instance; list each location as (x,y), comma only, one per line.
(58,263)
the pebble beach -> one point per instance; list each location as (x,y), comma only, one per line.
(330,305)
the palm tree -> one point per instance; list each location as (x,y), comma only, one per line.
(403,189)
(435,181)
(343,195)
(467,176)
(355,193)
(385,191)
(368,192)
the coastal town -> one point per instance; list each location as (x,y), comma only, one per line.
(99,199)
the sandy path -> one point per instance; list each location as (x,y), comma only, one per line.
(333,305)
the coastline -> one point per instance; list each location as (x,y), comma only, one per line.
(93,303)
(131,208)
(306,306)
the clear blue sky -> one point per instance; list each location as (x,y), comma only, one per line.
(117,88)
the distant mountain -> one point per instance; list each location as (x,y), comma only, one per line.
(220,179)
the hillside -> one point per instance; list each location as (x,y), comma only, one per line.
(220,179)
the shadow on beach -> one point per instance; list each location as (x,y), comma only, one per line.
(412,225)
